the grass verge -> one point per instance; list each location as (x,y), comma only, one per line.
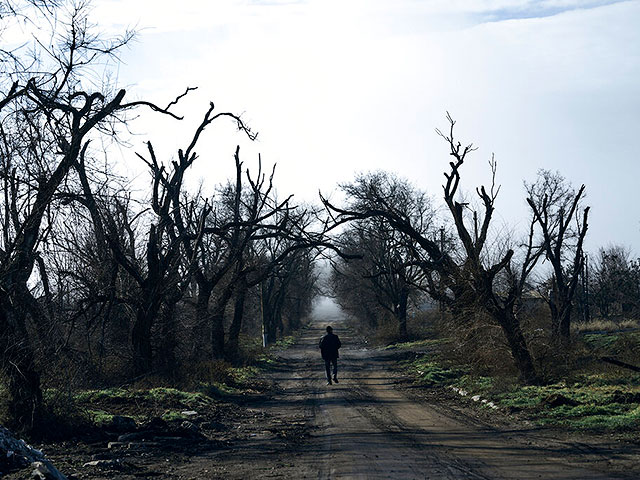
(595,399)
(205,390)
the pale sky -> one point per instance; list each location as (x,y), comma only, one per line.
(340,87)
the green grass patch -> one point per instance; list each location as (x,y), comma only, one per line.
(89,396)
(476,384)
(100,405)
(284,342)
(608,418)
(602,341)
(99,417)
(243,375)
(416,344)
(151,397)
(174,396)
(429,372)
(582,406)
(612,343)
(597,401)
(173,416)
(218,390)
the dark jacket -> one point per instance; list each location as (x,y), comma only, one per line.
(329,345)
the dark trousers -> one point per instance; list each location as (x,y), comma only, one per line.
(327,366)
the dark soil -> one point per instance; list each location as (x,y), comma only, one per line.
(374,424)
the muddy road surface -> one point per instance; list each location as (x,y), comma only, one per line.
(372,426)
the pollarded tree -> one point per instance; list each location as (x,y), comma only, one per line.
(562,223)
(162,269)
(234,252)
(468,278)
(245,212)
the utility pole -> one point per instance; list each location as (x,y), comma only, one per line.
(441,284)
(264,330)
(585,280)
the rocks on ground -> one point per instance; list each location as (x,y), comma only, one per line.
(16,454)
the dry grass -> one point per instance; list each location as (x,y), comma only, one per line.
(605,325)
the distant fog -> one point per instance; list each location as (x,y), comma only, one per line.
(327,310)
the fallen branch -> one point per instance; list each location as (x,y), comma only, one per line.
(620,364)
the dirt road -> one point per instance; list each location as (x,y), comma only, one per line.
(370,426)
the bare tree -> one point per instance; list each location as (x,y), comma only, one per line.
(563,225)
(303,288)
(277,271)
(469,278)
(170,250)
(615,282)
(242,212)
(47,118)
(49,114)
(261,235)
(387,268)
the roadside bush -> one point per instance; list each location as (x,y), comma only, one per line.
(423,324)
(386,332)
(249,350)
(476,343)
(420,325)
(211,371)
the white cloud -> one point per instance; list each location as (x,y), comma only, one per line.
(337,87)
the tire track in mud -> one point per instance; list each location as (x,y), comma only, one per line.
(384,419)
(362,437)
(366,427)
(370,427)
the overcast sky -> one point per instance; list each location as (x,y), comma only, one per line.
(340,87)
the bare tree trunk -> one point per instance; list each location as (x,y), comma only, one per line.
(564,322)
(232,349)
(561,306)
(167,349)
(518,346)
(401,313)
(296,313)
(107,315)
(25,394)
(270,326)
(217,322)
(202,304)
(141,332)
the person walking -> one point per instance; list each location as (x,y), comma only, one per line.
(329,346)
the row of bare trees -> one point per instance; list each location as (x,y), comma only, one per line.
(95,278)
(467,266)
